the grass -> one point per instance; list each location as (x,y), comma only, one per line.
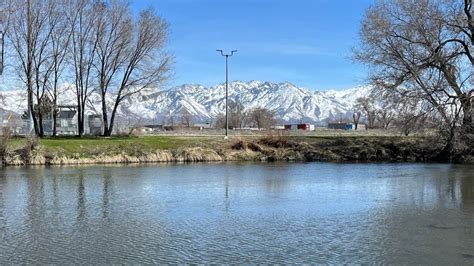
(272,146)
(88,147)
(75,144)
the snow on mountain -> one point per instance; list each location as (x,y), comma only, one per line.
(289,102)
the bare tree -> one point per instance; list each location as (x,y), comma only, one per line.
(237,114)
(82,17)
(386,111)
(4,25)
(423,49)
(219,121)
(59,42)
(409,121)
(131,55)
(42,61)
(366,104)
(355,118)
(262,118)
(169,119)
(385,118)
(186,117)
(30,33)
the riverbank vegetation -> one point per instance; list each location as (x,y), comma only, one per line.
(419,54)
(420,57)
(270,147)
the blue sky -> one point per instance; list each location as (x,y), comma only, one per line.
(306,42)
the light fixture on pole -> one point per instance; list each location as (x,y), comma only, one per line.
(226,87)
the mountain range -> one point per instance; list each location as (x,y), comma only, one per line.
(289,102)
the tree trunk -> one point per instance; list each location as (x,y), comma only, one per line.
(80,125)
(40,124)
(447,152)
(356,117)
(80,109)
(55,106)
(104,117)
(32,111)
(83,127)
(112,117)
(467,125)
(55,119)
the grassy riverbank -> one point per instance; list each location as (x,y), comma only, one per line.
(72,150)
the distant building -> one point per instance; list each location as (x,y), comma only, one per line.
(66,122)
(202,125)
(343,126)
(95,124)
(307,127)
(142,130)
(278,127)
(154,126)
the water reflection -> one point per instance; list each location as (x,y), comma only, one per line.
(105,193)
(35,208)
(55,191)
(467,189)
(276,179)
(2,208)
(275,185)
(81,197)
(224,213)
(226,195)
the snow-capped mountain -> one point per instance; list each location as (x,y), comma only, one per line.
(289,102)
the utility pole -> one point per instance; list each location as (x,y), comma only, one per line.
(226,88)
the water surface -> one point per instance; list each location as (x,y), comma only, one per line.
(222,213)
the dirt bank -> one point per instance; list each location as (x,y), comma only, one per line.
(279,148)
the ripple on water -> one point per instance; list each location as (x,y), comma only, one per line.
(289,213)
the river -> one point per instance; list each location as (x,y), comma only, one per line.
(238,213)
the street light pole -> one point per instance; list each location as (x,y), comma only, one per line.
(226,88)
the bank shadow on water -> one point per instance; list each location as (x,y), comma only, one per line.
(238,212)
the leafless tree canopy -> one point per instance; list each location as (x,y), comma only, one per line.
(131,54)
(262,118)
(237,114)
(259,117)
(28,34)
(186,118)
(93,44)
(366,105)
(422,49)
(82,15)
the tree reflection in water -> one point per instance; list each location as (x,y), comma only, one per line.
(107,179)
(81,197)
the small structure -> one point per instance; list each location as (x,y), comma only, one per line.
(307,127)
(343,126)
(66,121)
(154,126)
(202,126)
(95,124)
(141,130)
(278,127)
